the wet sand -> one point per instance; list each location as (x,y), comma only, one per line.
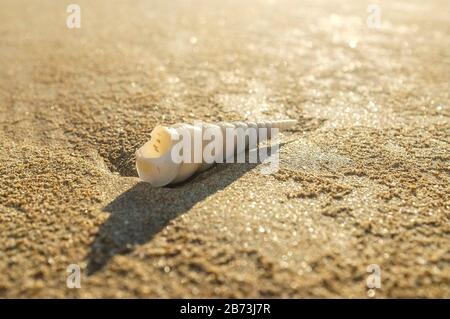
(363,180)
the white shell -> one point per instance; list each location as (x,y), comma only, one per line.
(154,161)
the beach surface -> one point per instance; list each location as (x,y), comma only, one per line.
(363,182)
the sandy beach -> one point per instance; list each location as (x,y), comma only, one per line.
(363,179)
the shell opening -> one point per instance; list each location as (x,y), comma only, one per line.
(147,170)
(153,158)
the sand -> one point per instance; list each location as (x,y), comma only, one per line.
(364,177)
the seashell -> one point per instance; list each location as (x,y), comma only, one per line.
(157,165)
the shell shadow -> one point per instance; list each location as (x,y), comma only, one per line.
(141,212)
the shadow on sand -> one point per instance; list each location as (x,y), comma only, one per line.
(143,211)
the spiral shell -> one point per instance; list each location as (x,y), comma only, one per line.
(155,162)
